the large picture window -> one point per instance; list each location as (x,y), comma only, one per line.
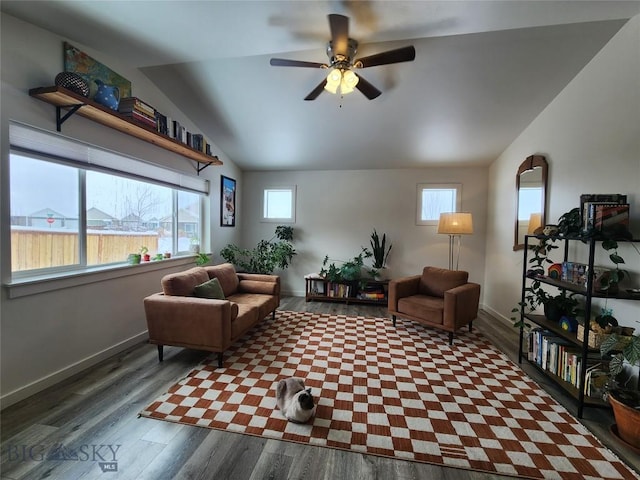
(68,216)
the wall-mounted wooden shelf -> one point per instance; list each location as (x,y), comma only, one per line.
(65,99)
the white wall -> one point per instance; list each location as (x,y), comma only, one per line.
(590,135)
(45,337)
(338,210)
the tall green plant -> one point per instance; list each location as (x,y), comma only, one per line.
(379,250)
(265,257)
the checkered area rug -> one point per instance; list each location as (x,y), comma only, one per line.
(398,392)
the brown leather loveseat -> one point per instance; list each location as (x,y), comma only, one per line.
(438,298)
(234,303)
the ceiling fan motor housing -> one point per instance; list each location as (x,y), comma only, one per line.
(339,60)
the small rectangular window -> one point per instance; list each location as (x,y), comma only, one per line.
(434,199)
(279,204)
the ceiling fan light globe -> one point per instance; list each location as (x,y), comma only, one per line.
(334,78)
(331,88)
(350,78)
(345,89)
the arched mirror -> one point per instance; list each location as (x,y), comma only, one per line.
(531,187)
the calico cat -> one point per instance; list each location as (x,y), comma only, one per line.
(294,400)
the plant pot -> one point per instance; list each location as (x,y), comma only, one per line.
(627,417)
(381,274)
(146,257)
(134,258)
(553,311)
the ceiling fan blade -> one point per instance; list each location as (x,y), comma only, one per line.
(367,89)
(339,25)
(316,91)
(404,54)
(283,62)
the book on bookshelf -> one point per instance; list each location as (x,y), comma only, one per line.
(604,216)
(589,199)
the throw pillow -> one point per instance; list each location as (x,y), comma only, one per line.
(210,289)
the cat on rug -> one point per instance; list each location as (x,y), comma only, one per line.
(294,400)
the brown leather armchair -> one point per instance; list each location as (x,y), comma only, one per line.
(439,298)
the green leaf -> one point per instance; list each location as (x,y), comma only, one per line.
(631,351)
(616,365)
(615,258)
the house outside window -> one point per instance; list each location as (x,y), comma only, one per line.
(120,215)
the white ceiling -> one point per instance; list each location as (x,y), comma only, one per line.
(483,71)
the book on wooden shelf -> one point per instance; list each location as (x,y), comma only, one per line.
(589,199)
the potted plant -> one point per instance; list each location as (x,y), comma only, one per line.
(266,256)
(624,401)
(534,294)
(570,223)
(202,259)
(561,305)
(348,271)
(136,258)
(380,253)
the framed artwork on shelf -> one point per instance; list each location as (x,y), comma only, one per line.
(227,202)
(75,60)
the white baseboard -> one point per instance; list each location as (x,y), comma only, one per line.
(499,316)
(294,293)
(56,377)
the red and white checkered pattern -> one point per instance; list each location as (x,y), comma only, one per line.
(398,392)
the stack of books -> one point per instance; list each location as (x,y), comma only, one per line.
(138,110)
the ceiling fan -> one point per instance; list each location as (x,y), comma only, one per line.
(341,51)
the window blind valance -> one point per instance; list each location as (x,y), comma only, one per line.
(40,141)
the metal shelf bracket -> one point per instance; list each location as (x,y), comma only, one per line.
(60,120)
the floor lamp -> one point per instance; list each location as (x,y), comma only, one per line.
(455,224)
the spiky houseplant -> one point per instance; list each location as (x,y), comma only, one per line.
(379,249)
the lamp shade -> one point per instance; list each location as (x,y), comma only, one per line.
(455,223)
(535,222)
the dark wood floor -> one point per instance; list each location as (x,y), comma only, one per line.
(95,413)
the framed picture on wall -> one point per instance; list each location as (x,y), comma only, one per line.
(227,202)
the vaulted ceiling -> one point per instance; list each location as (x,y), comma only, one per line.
(483,71)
